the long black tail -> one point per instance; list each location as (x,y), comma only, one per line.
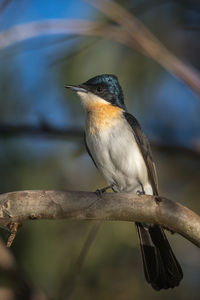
(161,267)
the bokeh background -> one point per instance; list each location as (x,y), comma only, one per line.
(45,255)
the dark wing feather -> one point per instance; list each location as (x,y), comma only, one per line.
(161,268)
(145,149)
(88,150)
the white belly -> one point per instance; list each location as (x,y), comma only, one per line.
(119,159)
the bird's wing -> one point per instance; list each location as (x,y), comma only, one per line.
(144,147)
(88,150)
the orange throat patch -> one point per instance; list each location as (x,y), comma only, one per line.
(101,116)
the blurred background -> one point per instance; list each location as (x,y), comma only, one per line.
(41,143)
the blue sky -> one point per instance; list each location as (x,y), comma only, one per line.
(23,11)
(33,57)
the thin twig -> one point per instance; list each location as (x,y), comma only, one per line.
(13,227)
(69,283)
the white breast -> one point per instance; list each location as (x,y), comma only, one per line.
(119,159)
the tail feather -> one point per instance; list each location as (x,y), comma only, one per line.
(161,268)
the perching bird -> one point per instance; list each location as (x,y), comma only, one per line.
(121,152)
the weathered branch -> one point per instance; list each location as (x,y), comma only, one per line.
(29,205)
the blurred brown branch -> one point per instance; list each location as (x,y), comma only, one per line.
(44,129)
(131,33)
(48,131)
(29,205)
(70,279)
(29,30)
(20,286)
(148,43)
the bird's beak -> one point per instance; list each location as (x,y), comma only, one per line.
(76,88)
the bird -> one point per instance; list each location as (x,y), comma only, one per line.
(121,152)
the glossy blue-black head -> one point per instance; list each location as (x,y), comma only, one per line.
(105,86)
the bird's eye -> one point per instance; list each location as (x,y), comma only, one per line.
(99,89)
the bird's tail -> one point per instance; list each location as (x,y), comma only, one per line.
(161,267)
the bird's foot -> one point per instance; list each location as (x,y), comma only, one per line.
(100,192)
(158,199)
(140,193)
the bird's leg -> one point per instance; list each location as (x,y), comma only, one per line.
(100,192)
(142,192)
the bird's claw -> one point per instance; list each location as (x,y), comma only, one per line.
(100,192)
(158,199)
(140,193)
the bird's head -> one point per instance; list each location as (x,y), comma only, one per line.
(100,89)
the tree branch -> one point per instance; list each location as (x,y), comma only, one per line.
(148,43)
(131,33)
(22,32)
(48,131)
(44,129)
(29,205)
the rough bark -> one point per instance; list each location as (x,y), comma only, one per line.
(29,205)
